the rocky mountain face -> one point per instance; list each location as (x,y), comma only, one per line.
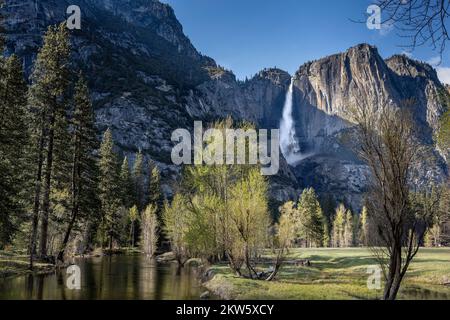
(146,77)
(147,80)
(326,92)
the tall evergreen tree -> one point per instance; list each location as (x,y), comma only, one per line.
(329,208)
(109,189)
(83,165)
(50,82)
(138,178)
(310,217)
(14,139)
(154,189)
(127,187)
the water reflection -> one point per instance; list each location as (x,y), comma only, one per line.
(118,277)
(418,293)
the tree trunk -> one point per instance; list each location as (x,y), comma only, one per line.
(110,243)
(67,235)
(37,199)
(47,188)
(252,273)
(277,267)
(394,275)
(76,188)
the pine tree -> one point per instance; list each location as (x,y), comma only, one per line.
(127,187)
(109,189)
(50,81)
(138,178)
(310,217)
(14,142)
(154,190)
(328,207)
(83,165)
(155,197)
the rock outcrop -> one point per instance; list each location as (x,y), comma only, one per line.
(326,93)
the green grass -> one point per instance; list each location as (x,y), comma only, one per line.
(336,274)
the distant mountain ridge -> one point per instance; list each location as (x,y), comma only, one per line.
(147,79)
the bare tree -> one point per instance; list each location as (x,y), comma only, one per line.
(421,21)
(389,147)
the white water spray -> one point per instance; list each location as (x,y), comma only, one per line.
(288,141)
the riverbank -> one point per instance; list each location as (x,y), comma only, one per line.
(17,264)
(334,274)
(113,277)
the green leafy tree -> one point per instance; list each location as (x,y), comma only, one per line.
(224,210)
(250,217)
(364,228)
(133,216)
(348,229)
(150,225)
(201,233)
(214,183)
(338,240)
(176,217)
(284,236)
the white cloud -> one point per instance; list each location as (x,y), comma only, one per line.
(443,74)
(409,54)
(435,61)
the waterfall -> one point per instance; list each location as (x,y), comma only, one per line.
(288,141)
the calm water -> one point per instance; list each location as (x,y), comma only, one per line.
(134,277)
(117,277)
(417,293)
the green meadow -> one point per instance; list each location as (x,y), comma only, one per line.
(336,274)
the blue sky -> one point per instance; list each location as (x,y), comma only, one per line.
(249,35)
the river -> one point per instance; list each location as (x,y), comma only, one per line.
(135,277)
(125,277)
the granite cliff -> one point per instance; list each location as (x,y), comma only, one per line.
(147,79)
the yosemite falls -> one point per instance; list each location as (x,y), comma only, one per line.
(288,142)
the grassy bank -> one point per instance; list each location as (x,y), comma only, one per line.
(336,274)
